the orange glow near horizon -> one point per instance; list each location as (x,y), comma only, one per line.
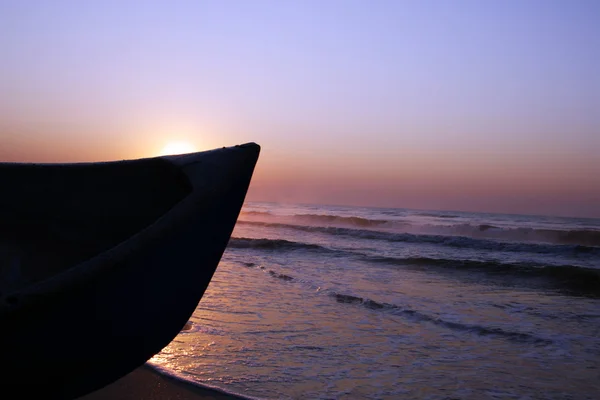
(513,183)
(546,183)
(43,144)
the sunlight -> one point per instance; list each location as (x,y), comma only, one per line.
(172,148)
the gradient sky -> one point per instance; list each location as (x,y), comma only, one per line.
(461,105)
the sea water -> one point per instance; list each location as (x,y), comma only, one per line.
(324,302)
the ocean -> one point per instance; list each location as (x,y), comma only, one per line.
(333,302)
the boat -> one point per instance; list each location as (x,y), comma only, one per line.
(102,264)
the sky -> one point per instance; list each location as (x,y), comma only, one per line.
(455,105)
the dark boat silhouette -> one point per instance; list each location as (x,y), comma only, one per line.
(102,264)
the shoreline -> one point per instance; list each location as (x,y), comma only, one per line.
(146,382)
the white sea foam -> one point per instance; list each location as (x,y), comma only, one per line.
(185,378)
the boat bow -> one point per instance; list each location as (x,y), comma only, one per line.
(82,327)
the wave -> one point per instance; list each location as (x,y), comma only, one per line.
(426,214)
(283,277)
(587,237)
(323,219)
(337,219)
(583,237)
(271,244)
(282,245)
(262,213)
(442,240)
(571,278)
(419,316)
(422,317)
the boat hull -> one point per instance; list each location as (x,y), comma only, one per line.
(76,333)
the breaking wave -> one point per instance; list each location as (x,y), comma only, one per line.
(443,240)
(584,237)
(568,277)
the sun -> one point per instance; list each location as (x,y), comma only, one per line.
(173,148)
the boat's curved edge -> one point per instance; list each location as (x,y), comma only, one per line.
(11,302)
(176,159)
(131,300)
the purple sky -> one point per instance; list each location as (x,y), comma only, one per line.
(471,105)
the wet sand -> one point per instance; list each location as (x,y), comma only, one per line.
(146,383)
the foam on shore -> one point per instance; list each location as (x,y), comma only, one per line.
(150,382)
(182,379)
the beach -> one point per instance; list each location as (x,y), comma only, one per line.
(147,383)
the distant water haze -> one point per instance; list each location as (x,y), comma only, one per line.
(495,183)
(549,184)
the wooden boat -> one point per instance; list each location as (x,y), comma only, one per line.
(102,264)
